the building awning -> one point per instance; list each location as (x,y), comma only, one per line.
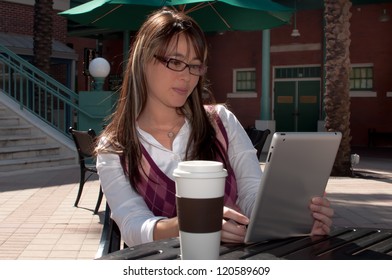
(23,45)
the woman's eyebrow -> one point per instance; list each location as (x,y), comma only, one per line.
(181,56)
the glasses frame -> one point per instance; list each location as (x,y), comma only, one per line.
(166,61)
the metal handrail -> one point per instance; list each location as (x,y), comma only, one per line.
(35,91)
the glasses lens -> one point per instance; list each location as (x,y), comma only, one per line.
(198,70)
(176,65)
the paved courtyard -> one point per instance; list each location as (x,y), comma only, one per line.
(38,219)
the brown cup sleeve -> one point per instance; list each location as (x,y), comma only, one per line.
(200,215)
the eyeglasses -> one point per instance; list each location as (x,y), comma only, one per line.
(178,65)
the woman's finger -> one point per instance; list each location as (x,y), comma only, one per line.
(326,211)
(321,205)
(230,214)
(233,226)
(233,232)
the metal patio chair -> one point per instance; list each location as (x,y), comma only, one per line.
(85,145)
(258,138)
(110,236)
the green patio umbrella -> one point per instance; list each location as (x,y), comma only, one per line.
(211,15)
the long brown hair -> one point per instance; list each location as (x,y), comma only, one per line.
(153,38)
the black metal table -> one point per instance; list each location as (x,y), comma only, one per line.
(341,244)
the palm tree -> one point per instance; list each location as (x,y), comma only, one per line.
(337,87)
(43,33)
(42,48)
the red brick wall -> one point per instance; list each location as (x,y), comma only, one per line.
(16,18)
(79,44)
(19,18)
(371,42)
(235,50)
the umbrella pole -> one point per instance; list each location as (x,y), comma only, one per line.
(265,121)
(126,47)
(265,77)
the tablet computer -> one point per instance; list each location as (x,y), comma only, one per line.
(297,168)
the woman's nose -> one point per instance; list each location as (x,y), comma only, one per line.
(185,74)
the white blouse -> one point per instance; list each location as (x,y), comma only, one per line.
(130,212)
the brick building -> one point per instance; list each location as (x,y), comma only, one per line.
(297,63)
(16,33)
(296,66)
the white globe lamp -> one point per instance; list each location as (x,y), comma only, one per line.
(99,69)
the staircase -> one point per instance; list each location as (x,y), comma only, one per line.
(24,145)
(35,114)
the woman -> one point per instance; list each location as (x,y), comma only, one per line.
(159,121)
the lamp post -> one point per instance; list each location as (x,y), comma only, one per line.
(99,69)
(97,104)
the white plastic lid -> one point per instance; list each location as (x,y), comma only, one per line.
(199,169)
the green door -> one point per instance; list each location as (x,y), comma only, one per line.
(297,105)
(284,106)
(308,105)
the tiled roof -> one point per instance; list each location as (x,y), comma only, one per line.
(23,45)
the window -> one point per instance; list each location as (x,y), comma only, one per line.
(361,78)
(298,72)
(245,80)
(244,83)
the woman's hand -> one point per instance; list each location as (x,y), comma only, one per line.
(233,226)
(322,214)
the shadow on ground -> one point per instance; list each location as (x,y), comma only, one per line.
(41,179)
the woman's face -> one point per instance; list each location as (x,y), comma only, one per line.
(167,87)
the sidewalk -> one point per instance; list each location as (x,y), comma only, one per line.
(366,200)
(38,219)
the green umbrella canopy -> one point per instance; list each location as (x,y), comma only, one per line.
(216,15)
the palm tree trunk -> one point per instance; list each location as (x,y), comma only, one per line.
(42,47)
(43,33)
(337,88)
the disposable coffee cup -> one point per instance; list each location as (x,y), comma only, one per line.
(200,188)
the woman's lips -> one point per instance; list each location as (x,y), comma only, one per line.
(182,91)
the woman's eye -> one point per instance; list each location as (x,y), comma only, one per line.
(176,62)
(195,67)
